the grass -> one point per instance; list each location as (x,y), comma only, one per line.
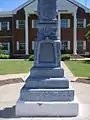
(79,68)
(14,66)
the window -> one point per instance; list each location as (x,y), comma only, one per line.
(81,23)
(20,24)
(20,46)
(5,47)
(79,46)
(34,23)
(65,23)
(64,45)
(4,26)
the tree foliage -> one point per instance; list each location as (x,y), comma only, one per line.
(87,35)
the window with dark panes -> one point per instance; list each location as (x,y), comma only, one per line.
(64,23)
(64,45)
(21,24)
(4,25)
(21,46)
(80,23)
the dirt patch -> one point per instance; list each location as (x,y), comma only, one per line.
(83,80)
(11,81)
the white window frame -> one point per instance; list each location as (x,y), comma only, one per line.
(32,45)
(84,23)
(17,45)
(68,23)
(68,45)
(21,43)
(84,45)
(68,20)
(7,51)
(64,45)
(17,24)
(0,26)
(8,25)
(33,23)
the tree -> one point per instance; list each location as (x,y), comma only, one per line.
(87,35)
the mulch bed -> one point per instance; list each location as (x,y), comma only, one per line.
(11,81)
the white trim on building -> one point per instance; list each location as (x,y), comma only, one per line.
(17,45)
(68,45)
(32,45)
(84,45)
(17,23)
(0,26)
(8,25)
(84,24)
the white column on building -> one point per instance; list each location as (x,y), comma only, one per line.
(59,26)
(26,33)
(75,35)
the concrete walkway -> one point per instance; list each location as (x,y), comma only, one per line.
(10,93)
(12,76)
(80,59)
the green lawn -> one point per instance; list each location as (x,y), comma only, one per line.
(14,66)
(79,68)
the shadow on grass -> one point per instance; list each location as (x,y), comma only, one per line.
(11,81)
(86,61)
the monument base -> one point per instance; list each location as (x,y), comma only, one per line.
(47,109)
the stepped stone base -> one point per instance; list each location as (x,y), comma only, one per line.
(46,82)
(47,71)
(66,109)
(47,94)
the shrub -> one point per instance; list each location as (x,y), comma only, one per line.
(2,56)
(31,57)
(1,51)
(66,52)
(65,57)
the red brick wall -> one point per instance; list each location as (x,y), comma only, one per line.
(18,34)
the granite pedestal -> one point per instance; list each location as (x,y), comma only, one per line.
(46,91)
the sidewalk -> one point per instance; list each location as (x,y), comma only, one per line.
(13,76)
(68,73)
(80,59)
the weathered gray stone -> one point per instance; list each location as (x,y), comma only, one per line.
(47,94)
(47,83)
(47,53)
(47,72)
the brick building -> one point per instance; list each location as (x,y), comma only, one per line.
(19,27)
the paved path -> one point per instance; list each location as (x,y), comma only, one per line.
(12,76)
(9,94)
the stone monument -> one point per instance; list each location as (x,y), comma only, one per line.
(46,91)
